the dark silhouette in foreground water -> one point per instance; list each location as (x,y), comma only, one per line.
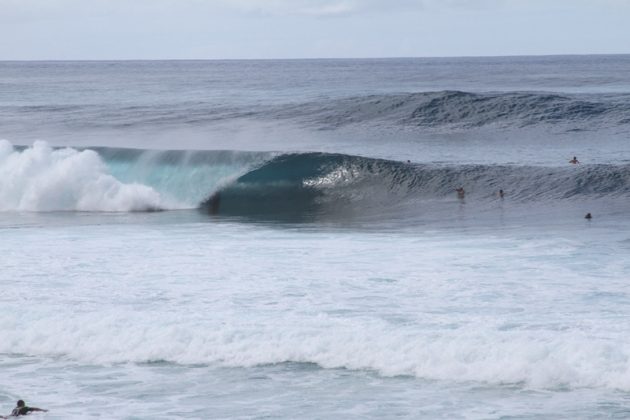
(21,409)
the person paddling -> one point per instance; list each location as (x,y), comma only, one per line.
(22,409)
(574,161)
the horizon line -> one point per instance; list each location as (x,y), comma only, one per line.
(313,58)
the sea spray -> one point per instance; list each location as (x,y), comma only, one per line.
(40,178)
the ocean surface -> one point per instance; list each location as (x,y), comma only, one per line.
(282,239)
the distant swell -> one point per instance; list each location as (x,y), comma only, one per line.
(434,110)
(466,110)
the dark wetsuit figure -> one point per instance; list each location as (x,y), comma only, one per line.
(22,409)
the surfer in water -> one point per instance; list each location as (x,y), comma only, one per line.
(574,161)
(214,202)
(460,192)
(501,194)
(588,216)
(22,409)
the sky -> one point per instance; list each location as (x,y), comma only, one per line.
(253,29)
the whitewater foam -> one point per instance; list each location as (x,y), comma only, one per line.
(537,359)
(480,308)
(39,178)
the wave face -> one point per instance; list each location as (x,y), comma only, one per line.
(468,110)
(318,183)
(299,185)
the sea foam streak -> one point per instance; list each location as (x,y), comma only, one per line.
(40,178)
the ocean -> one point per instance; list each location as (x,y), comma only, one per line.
(283,238)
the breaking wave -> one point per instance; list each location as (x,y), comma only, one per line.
(41,178)
(318,183)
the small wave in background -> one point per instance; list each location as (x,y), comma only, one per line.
(458,109)
(429,110)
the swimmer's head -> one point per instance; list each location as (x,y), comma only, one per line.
(20,403)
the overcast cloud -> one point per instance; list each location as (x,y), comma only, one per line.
(163,29)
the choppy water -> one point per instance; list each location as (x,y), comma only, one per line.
(282,239)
